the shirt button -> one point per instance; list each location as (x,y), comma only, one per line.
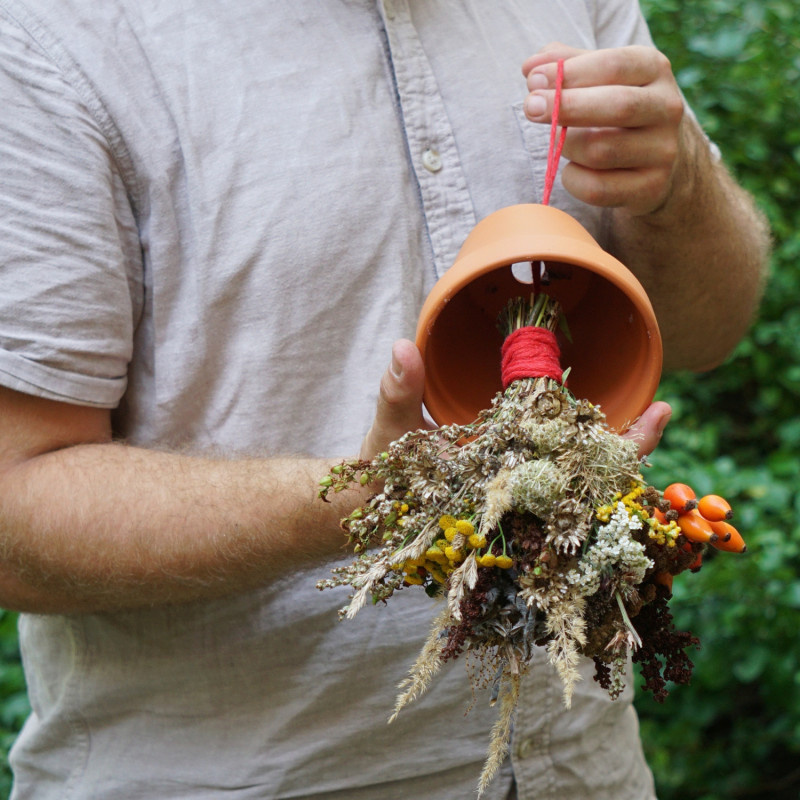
(525,748)
(431,160)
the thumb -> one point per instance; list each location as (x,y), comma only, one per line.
(648,428)
(399,401)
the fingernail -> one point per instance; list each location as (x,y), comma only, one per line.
(396,368)
(663,423)
(537,80)
(535,105)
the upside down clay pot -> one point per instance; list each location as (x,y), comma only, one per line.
(615,352)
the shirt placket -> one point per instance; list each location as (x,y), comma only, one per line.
(530,748)
(446,202)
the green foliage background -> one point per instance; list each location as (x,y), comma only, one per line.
(735,731)
(13,699)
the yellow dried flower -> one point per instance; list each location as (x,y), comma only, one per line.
(446,521)
(453,554)
(604,513)
(657,536)
(465,527)
(433,553)
(486,560)
(504,562)
(438,576)
(663,534)
(477,540)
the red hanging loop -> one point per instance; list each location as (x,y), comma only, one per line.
(556,145)
(532,352)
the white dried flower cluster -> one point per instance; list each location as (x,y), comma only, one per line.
(614,552)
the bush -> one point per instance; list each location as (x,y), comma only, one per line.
(13,699)
(735,731)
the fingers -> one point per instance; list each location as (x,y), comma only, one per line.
(624,113)
(628,87)
(399,407)
(619,148)
(640,190)
(647,430)
(550,54)
(635,65)
(614,105)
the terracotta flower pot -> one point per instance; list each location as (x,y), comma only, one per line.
(615,355)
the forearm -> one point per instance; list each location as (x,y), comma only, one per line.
(701,257)
(107,526)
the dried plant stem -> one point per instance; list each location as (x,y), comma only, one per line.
(501,731)
(627,620)
(426,666)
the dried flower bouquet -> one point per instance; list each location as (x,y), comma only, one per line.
(534,526)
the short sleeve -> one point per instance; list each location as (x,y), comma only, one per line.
(619,23)
(70,259)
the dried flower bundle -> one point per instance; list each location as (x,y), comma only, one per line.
(535,527)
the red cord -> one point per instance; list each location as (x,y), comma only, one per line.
(554,152)
(530,353)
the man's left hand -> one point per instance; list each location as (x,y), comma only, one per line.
(624,112)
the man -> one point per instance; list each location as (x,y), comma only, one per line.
(214,224)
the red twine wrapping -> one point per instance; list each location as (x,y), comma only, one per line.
(530,353)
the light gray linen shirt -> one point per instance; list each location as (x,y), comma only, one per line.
(215,219)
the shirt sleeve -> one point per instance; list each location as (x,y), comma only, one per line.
(619,23)
(70,258)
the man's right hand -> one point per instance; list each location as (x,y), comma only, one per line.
(87,524)
(400,400)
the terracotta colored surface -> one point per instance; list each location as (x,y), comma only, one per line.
(615,355)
